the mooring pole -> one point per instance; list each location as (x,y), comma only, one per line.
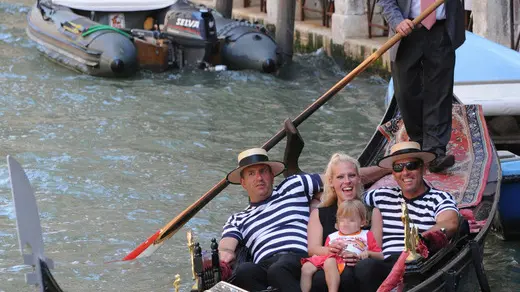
(225,7)
(285,28)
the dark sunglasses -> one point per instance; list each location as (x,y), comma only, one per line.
(410,165)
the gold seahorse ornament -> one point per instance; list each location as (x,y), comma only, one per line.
(191,246)
(177,282)
(411,235)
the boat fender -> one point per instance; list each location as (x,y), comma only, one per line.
(148,23)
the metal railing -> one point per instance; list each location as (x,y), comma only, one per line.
(263,8)
(326,12)
(371,5)
(515,44)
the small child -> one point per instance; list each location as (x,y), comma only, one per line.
(350,217)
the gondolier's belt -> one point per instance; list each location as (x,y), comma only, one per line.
(280,253)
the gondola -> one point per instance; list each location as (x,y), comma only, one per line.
(474,181)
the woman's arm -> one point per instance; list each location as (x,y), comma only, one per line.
(371,174)
(315,235)
(377,226)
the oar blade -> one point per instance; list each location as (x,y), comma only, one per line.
(27,216)
(145,249)
(29,229)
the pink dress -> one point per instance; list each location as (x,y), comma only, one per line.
(355,242)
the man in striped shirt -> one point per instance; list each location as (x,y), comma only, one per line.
(429,208)
(274,225)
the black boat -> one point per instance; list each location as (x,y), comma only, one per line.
(116,38)
(474,181)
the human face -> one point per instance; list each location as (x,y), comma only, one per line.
(410,181)
(349,224)
(345,181)
(257,180)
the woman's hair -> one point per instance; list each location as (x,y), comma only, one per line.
(352,208)
(329,196)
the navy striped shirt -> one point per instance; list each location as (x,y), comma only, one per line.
(278,223)
(423,211)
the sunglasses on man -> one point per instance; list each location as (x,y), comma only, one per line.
(410,165)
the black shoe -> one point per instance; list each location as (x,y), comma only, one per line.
(441,163)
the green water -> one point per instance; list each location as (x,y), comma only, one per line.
(112,161)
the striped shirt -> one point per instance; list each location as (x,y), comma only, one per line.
(278,223)
(423,211)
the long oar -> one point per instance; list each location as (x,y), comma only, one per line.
(157,239)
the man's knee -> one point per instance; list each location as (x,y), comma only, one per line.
(246,269)
(250,277)
(367,268)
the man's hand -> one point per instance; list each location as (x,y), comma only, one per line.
(364,255)
(405,27)
(226,255)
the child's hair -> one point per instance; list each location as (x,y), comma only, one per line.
(352,208)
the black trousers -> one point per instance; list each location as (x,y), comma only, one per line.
(366,276)
(280,271)
(423,81)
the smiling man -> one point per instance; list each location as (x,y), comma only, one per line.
(274,225)
(429,209)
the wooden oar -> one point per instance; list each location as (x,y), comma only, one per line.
(158,238)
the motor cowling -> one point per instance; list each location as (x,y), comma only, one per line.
(192,28)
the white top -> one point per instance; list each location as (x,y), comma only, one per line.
(115,5)
(415,10)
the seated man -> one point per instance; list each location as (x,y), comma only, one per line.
(274,225)
(429,209)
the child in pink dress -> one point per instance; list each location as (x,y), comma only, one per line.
(351,216)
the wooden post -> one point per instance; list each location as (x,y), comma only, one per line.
(285,28)
(225,7)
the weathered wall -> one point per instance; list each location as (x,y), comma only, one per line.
(491,19)
(350,20)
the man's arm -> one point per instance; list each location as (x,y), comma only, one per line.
(226,249)
(391,12)
(448,219)
(372,173)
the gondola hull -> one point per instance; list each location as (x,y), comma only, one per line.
(452,268)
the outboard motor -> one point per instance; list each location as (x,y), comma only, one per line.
(192,33)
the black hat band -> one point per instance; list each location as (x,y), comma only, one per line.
(253,159)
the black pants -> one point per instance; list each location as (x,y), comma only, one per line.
(366,276)
(423,83)
(280,271)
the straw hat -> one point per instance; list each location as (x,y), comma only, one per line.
(251,157)
(405,150)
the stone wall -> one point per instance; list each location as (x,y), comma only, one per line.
(491,19)
(350,20)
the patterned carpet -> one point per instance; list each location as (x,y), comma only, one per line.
(470,144)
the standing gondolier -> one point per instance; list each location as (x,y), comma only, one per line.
(423,67)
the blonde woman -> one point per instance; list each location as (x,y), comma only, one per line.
(343,181)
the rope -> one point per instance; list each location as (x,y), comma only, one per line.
(100,27)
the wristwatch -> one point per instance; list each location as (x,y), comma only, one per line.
(443,230)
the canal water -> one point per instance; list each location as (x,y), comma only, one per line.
(112,161)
